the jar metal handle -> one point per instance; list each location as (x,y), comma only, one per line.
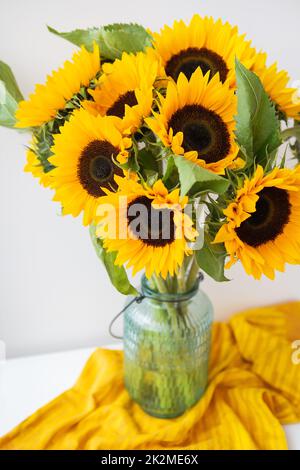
(138,299)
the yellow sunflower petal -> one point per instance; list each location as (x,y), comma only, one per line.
(125,89)
(205,42)
(83,158)
(161,253)
(43,105)
(196,120)
(276,85)
(262,229)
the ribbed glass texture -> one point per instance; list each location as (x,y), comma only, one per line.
(166,349)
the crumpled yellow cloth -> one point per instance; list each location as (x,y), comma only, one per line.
(254,387)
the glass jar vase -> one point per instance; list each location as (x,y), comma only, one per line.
(166,349)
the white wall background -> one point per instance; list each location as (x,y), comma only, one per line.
(54,293)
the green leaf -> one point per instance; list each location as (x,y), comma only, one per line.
(211,259)
(43,142)
(112,39)
(171,176)
(257,126)
(118,38)
(80,37)
(148,165)
(147,160)
(291,132)
(195,179)
(9,80)
(117,274)
(10,95)
(8,107)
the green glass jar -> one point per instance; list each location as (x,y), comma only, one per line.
(166,349)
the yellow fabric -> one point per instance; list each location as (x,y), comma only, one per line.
(254,387)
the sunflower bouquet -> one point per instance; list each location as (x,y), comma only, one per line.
(179,148)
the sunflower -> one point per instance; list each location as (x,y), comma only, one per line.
(44,104)
(35,167)
(196,119)
(84,154)
(149,231)
(275,83)
(263,223)
(125,90)
(205,43)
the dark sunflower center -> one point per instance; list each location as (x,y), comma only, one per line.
(96,168)
(188,60)
(118,108)
(272,213)
(203,131)
(154,226)
(101,168)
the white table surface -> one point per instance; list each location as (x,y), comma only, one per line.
(30,382)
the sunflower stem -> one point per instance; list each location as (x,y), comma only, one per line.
(160,284)
(177,314)
(171,308)
(193,273)
(181,278)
